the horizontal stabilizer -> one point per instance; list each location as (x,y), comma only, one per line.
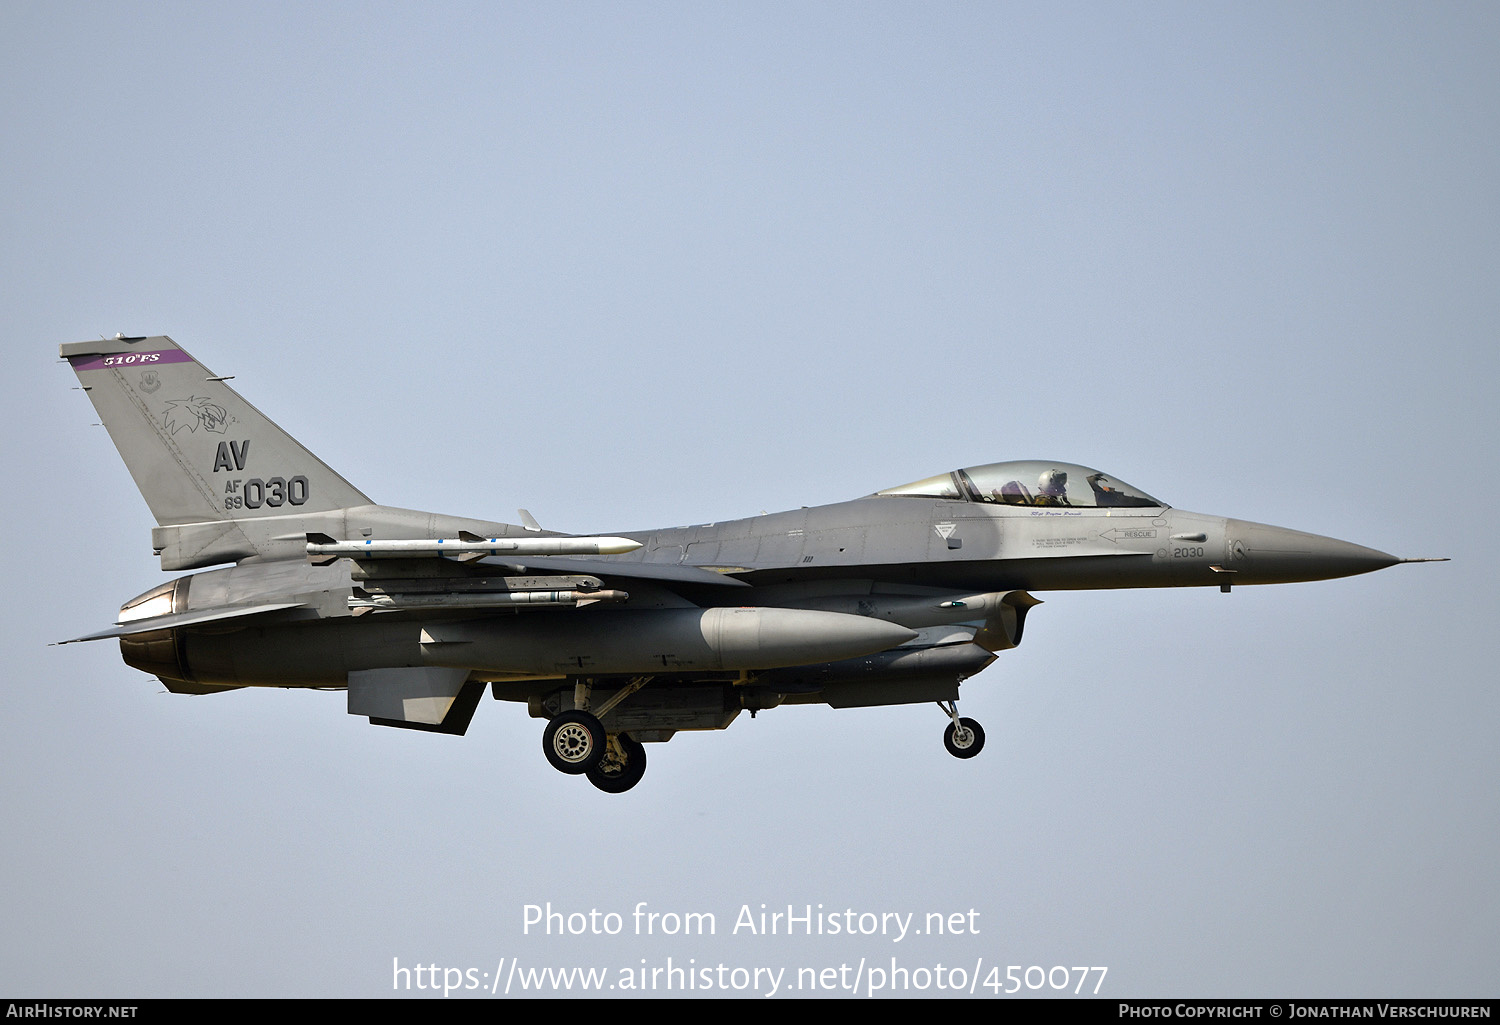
(177,619)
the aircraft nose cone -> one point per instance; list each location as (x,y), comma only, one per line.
(1275,555)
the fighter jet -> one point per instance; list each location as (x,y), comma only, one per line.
(619,640)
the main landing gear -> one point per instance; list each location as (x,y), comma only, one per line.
(575,742)
(622,766)
(964,738)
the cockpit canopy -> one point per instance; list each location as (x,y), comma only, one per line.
(1029,483)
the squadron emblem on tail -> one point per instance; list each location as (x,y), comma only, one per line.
(192,413)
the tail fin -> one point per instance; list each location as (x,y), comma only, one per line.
(199,452)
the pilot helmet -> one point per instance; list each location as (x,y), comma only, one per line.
(1053,482)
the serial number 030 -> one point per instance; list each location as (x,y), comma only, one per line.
(274,493)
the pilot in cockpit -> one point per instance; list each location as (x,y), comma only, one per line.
(1052,489)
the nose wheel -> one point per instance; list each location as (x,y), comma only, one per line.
(964,738)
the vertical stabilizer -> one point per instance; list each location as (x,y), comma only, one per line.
(197,450)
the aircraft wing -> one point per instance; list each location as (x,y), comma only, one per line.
(176,619)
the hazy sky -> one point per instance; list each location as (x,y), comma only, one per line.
(636,265)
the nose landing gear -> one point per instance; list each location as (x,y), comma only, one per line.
(964,738)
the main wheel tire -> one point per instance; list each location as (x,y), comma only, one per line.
(615,777)
(573,742)
(964,739)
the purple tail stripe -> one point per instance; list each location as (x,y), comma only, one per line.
(121,360)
